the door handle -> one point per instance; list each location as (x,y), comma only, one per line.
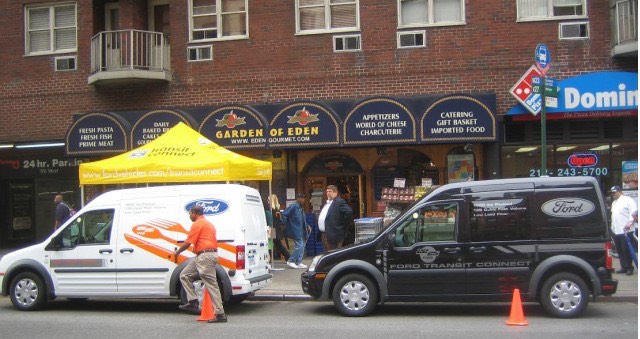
(477,249)
(452,250)
(105,250)
(130,250)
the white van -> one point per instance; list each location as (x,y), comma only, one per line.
(122,244)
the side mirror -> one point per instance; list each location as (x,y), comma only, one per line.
(54,244)
(390,240)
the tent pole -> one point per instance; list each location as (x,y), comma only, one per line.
(81,196)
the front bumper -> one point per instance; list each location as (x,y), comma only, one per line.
(312,283)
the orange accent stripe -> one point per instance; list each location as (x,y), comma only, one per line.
(227,247)
(153,248)
(227,263)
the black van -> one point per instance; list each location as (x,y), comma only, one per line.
(479,241)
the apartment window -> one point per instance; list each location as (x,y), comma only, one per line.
(199,53)
(430,12)
(573,30)
(411,39)
(218,19)
(50,29)
(346,43)
(321,16)
(551,9)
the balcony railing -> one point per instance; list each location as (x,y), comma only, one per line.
(625,35)
(128,55)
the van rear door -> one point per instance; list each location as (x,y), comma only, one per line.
(256,239)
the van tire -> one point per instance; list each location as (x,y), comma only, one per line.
(355,295)
(28,292)
(564,295)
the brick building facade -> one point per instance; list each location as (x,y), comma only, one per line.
(269,53)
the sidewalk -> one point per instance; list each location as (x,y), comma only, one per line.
(286,285)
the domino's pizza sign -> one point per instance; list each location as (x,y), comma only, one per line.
(523,91)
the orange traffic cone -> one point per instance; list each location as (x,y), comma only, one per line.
(517,316)
(207,312)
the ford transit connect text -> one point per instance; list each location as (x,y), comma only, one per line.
(479,241)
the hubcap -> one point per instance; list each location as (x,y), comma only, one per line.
(565,295)
(26,292)
(354,295)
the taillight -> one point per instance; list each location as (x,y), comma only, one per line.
(609,258)
(240,257)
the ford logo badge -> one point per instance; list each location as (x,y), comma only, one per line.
(568,207)
(209,206)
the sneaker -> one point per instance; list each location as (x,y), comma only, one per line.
(301,265)
(190,307)
(291,264)
(220,318)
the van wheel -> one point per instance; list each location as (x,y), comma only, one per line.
(355,295)
(564,295)
(28,292)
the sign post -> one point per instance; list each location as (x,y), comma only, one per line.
(543,63)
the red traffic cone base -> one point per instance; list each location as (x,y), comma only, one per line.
(517,316)
(207,312)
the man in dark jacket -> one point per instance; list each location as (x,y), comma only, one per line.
(333,219)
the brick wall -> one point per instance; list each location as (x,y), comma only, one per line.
(487,54)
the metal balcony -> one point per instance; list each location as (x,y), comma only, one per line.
(624,30)
(129,56)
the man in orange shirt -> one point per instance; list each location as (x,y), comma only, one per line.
(203,237)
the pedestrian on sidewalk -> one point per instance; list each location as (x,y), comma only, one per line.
(279,248)
(334,219)
(622,208)
(203,237)
(297,229)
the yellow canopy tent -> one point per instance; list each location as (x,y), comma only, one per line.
(177,156)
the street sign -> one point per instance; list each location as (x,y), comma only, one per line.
(523,91)
(550,87)
(543,58)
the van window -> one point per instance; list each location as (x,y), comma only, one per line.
(92,227)
(499,219)
(429,223)
(590,224)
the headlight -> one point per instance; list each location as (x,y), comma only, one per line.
(314,262)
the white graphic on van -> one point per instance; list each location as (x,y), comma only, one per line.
(428,254)
(568,207)
(209,206)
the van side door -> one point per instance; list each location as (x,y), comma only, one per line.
(82,255)
(426,258)
(500,251)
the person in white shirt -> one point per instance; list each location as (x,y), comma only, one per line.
(333,219)
(622,221)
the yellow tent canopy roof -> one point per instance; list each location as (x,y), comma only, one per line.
(179,155)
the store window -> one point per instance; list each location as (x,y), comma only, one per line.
(611,163)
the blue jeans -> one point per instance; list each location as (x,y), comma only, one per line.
(298,251)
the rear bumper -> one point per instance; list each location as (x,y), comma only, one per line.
(608,286)
(251,285)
